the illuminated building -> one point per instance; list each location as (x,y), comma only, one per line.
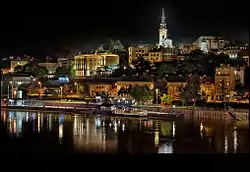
(51,68)
(87,64)
(5,71)
(138,51)
(99,86)
(64,61)
(208,87)
(245,56)
(226,77)
(125,82)
(18,62)
(175,85)
(162,54)
(188,48)
(20,79)
(164,41)
(233,50)
(112,87)
(209,43)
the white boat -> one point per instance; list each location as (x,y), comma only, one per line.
(130,112)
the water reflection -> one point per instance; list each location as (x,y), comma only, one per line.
(108,134)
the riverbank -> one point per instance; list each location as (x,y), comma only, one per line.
(190,113)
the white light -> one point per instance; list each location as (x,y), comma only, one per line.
(235,141)
(110,124)
(201,127)
(103,124)
(123,127)
(60,132)
(226,145)
(166,148)
(115,127)
(157,138)
(173,129)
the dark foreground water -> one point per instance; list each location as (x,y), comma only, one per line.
(71,133)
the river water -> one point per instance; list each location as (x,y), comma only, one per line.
(72,133)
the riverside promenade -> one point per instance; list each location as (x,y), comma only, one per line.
(193,113)
(190,113)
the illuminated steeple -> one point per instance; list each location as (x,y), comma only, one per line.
(163,24)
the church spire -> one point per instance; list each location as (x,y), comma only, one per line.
(163,20)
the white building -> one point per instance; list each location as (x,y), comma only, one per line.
(164,41)
(21,79)
(208,43)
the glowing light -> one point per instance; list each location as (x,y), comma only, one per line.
(123,127)
(98,122)
(115,127)
(166,148)
(226,145)
(60,133)
(27,117)
(103,124)
(235,141)
(39,122)
(110,124)
(201,127)
(173,129)
(61,118)
(157,138)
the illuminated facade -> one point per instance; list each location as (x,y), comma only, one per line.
(234,50)
(51,68)
(162,54)
(87,64)
(17,62)
(137,51)
(209,89)
(175,85)
(226,77)
(188,48)
(164,41)
(208,43)
(21,79)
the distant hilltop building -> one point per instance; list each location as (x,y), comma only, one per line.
(87,64)
(164,41)
(210,43)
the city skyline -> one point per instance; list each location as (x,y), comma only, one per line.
(47,35)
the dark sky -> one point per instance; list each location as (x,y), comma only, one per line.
(48,28)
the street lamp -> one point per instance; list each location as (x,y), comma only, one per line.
(61,91)
(157,94)
(9,88)
(40,85)
(76,84)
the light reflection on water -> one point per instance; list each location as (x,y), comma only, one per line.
(109,134)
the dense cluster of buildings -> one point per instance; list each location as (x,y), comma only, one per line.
(86,66)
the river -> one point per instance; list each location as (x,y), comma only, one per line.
(72,134)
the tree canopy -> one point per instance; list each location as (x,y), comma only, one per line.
(142,93)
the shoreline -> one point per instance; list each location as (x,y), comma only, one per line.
(194,113)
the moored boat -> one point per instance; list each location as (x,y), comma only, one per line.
(127,111)
(166,115)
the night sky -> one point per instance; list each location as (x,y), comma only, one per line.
(50,28)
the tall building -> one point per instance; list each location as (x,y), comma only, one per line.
(87,64)
(164,41)
(226,77)
(136,51)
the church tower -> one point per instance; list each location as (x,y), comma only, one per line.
(163,32)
